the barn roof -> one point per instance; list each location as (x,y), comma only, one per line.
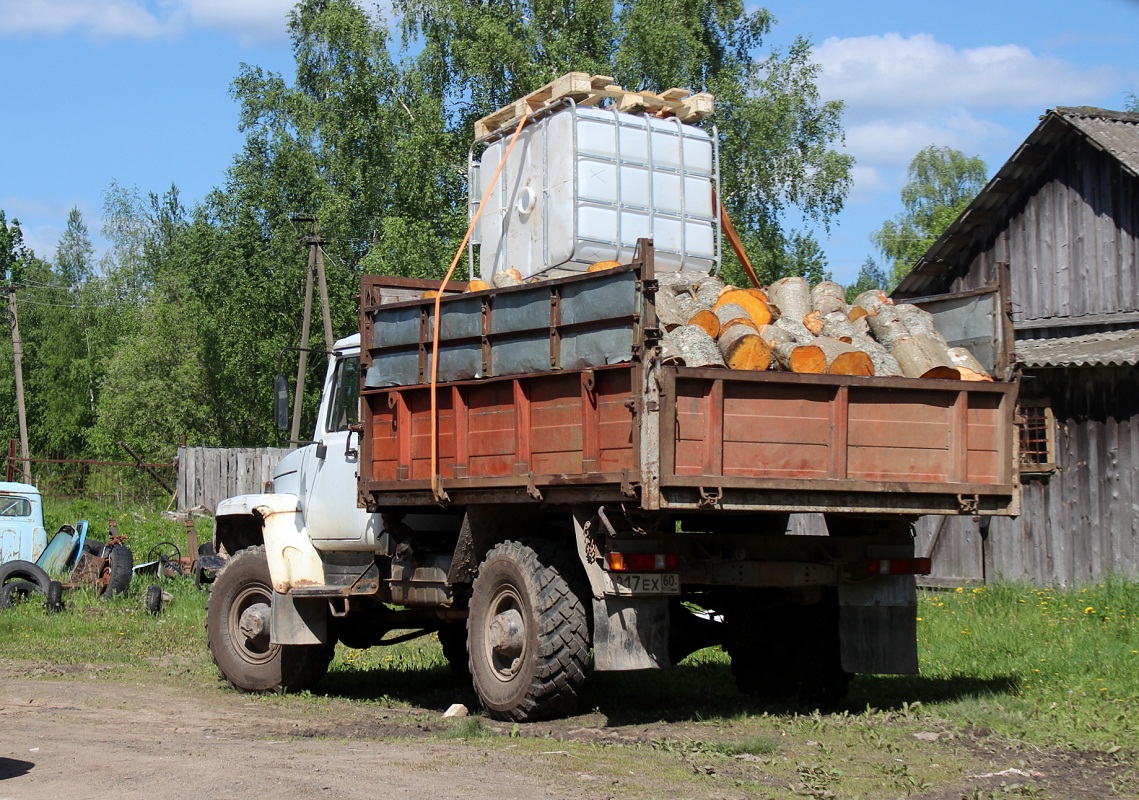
(1114,132)
(1107,348)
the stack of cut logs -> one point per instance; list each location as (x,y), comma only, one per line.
(794,327)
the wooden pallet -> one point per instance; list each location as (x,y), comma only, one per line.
(592,90)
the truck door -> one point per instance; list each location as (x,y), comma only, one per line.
(330,511)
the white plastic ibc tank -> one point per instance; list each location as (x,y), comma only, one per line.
(583,184)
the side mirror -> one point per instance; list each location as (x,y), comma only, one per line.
(280,402)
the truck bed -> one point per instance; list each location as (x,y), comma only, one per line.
(566,425)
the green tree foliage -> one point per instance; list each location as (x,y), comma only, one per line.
(941,182)
(176,330)
(1132,103)
(870,276)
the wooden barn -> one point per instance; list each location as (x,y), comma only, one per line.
(1060,222)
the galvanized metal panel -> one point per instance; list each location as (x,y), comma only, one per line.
(394,326)
(520,310)
(462,318)
(400,368)
(607,296)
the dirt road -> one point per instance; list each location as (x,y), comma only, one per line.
(76,733)
(81,738)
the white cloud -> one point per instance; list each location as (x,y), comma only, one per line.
(250,20)
(103,18)
(875,74)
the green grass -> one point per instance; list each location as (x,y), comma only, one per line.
(1043,667)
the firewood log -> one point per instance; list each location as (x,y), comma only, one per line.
(887,327)
(792,296)
(756,309)
(677,308)
(872,300)
(814,322)
(969,367)
(690,346)
(923,356)
(801,358)
(730,314)
(707,290)
(743,348)
(797,329)
(773,333)
(601,266)
(838,326)
(918,321)
(843,359)
(507,277)
(827,297)
(477,286)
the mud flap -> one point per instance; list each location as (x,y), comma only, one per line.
(630,633)
(298,621)
(878,625)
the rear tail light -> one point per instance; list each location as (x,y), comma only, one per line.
(643,562)
(899,566)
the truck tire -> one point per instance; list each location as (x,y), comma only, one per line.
(119,570)
(246,659)
(20,570)
(789,655)
(453,640)
(528,634)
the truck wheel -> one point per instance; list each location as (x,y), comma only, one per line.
(453,640)
(789,654)
(528,635)
(237,629)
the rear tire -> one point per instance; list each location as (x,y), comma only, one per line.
(237,630)
(528,634)
(453,640)
(789,654)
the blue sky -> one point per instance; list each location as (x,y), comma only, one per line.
(137,91)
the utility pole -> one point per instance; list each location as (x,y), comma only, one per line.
(316,243)
(315,246)
(18,363)
(302,355)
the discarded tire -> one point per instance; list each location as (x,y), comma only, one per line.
(15,592)
(153,600)
(54,601)
(24,571)
(120,562)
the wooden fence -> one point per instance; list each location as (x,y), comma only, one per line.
(208,475)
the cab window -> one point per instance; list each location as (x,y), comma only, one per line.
(15,507)
(345,408)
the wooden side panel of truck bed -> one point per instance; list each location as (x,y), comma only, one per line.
(740,440)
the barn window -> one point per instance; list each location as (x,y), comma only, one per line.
(1037,437)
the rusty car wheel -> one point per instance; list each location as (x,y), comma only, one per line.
(238,619)
(528,635)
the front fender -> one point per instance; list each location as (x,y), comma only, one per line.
(279,521)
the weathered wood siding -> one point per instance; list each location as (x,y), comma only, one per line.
(1072,244)
(207,475)
(1078,524)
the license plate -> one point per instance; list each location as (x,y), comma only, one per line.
(645,582)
